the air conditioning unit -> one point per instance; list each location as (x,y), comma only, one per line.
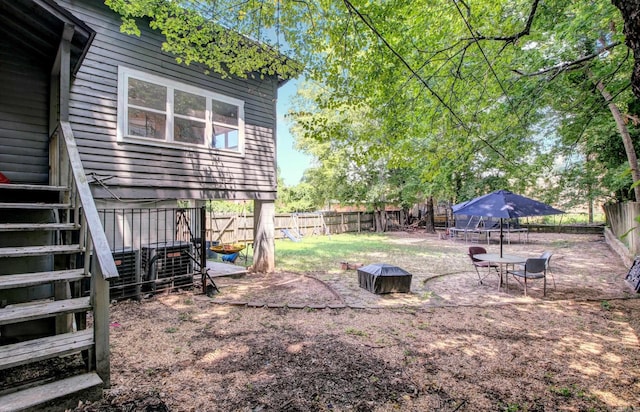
(167,265)
(126,286)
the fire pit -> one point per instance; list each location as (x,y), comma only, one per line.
(384,278)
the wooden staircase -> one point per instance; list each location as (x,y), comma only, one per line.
(47,310)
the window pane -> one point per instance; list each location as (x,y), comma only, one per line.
(189,104)
(147,94)
(225,113)
(188,131)
(146,124)
(225,137)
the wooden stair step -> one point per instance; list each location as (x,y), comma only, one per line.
(39,250)
(34,205)
(37,310)
(38,278)
(45,348)
(20,227)
(32,397)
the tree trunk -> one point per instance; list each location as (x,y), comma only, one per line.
(380,219)
(626,138)
(429,218)
(630,10)
(264,239)
(377,219)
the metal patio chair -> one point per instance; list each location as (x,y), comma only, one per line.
(534,268)
(475,250)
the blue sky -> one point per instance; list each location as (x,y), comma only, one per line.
(291,162)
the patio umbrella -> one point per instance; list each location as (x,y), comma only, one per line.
(503,204)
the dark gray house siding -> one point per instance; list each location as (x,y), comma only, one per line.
(139,171)
(24,105)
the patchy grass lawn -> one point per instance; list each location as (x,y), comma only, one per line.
(449,345)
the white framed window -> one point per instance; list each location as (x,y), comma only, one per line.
(159,111)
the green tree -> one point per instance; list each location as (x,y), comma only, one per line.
(298,198)
(350,169)
(467,96)
(459,92)
(198,32)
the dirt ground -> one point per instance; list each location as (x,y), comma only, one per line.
(319,342)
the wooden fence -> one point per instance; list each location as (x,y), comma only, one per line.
(238,228)
(160,249)
(133,228)
(622,219)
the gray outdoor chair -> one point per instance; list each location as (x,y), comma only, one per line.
(547,255)
(534,268)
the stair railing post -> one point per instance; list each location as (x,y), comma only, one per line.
(83,240)
(54,158)
(100,303)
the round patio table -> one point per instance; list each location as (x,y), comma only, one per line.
(501,261)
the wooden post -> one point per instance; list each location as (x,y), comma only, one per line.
(64,96)
(59,105)
(100,300)
(264,236)
(65,71)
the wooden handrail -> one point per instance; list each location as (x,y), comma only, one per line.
(101,248)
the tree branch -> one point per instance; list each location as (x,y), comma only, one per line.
(371,27)
(366,21)
(513,38)
(476,37)
(565,66)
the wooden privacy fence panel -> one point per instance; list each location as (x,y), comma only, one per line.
(134,227)
(300,224)
(349,222)
(229,228)
(621,218)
